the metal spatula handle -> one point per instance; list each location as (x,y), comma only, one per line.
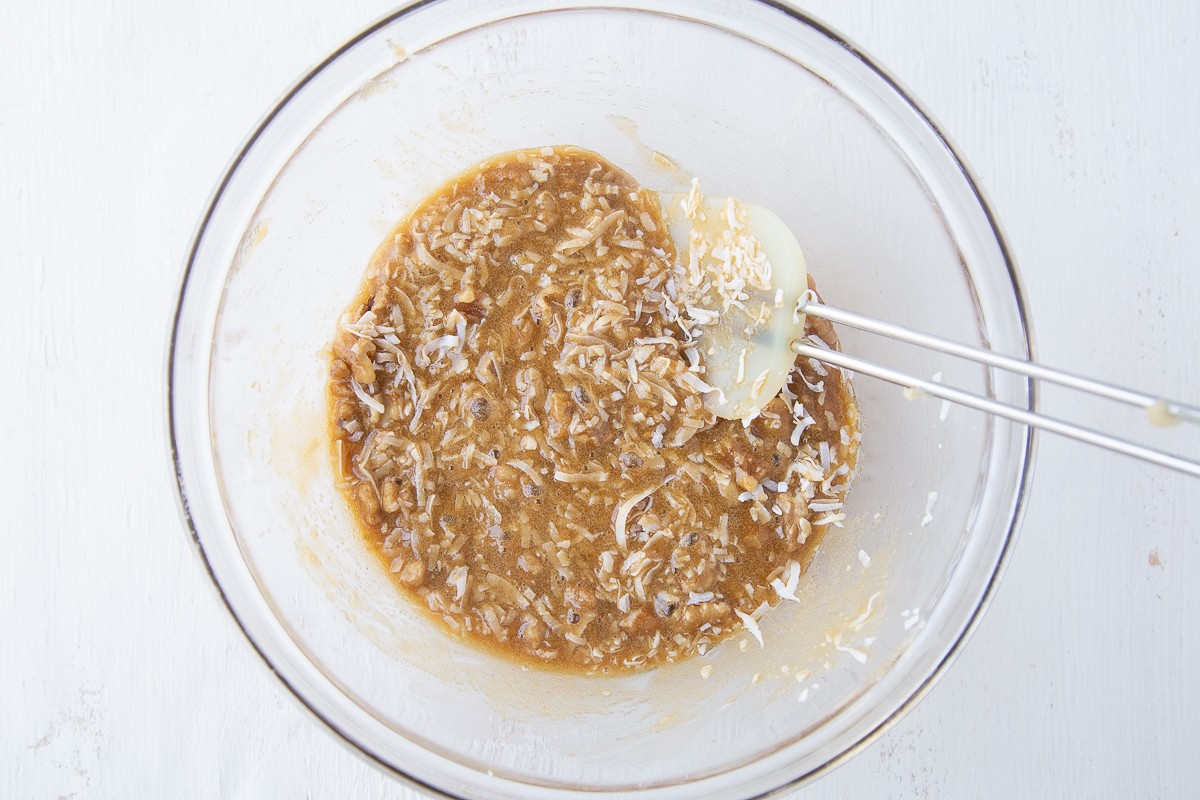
(1159,409)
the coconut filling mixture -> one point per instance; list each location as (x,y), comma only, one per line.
(519,423)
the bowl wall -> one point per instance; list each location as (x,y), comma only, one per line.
(760,104)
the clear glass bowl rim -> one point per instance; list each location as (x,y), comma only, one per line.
(800,16)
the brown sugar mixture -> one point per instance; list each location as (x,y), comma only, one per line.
(513,428)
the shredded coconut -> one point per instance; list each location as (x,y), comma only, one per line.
(751,625)
(929,501)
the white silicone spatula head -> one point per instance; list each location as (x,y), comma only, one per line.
(744,273)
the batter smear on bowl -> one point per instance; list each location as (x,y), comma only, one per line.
(519,425)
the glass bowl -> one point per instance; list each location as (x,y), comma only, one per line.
(763,103)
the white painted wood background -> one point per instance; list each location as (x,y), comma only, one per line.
(123,675)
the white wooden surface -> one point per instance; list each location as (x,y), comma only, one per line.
(123,675)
